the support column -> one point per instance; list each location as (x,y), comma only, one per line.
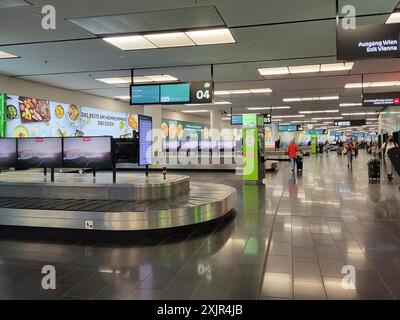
(215,124)
(156,113)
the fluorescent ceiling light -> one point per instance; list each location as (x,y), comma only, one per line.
(268,108)
(358,113)
(327,67)
(195,111)
(304,69)
(221,93)
(344,66)
(222,102)
(6,55)
(394,18)
(241,91)
(328,118)
(161,78)
(327,122)
(123,97)
(350,104)
(138,79)
(372,84)
(276,120)
(13,3)
(372,119)
(311,99)
(130,42)
(318,111)
(211,36)
(226,119)
(273,71)
(293,116)
(114,80)
(174,39)
(261,90)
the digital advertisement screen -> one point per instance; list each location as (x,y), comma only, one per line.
(237,120)
(189,145)
(39,152)
(207,145)
(175,93)
(145,94)
(386,99)
(145,140)
(88,152)
(227,144)
(8,153)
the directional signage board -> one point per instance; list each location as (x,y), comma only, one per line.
(350,123)
(201,92)
(385,99)
(368,42)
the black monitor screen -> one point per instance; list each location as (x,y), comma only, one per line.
(39,153)
(8,153)
(88,152)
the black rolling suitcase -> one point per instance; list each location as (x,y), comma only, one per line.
(374,169)
(299,164)
(394,156)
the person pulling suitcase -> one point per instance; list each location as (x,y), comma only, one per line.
(387,146)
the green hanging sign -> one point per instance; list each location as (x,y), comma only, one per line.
(250,147)
(3,115)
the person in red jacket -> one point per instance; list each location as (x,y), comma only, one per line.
(292,152)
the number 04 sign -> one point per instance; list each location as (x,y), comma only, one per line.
(201,92)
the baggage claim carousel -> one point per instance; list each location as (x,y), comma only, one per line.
(133,203)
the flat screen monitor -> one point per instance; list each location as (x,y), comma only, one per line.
(145,94)
(171,145)
(287,128)
(227,144)
(8,153)
(208,145)
(125,150)
(175,93)
(189,145)
(145,140)
(237,120)
(40,153)
(88,152)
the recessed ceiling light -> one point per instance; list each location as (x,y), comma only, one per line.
(226,119)
(195,111)
(241,91)
(318,111)
(13,3)
(221,93)
(211,36)
(6,55)
(372,84)
(304,69)
(114,80)
(293,116)
(174,39)
(139,79)
(350,104)
(273,71)
(130,42)
(261,90)
(267,108)
(358,113)
(123,97)
(161,78)
(327,67)
(311,99)
(393,18)
(328,118)
(222,102)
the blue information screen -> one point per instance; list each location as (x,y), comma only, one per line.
(287,128)
(175,93)
(236,120)
(145,94)
(145,140)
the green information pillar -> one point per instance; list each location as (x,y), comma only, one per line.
(3,115)
(250,148)
(314,142)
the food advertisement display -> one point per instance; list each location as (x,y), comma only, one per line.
(183,130)
(31,117)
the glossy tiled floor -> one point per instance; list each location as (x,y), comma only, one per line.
(287,240)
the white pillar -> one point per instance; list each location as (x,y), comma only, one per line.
(215,124)
(156,113)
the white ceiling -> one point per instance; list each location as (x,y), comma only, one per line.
(269,33)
